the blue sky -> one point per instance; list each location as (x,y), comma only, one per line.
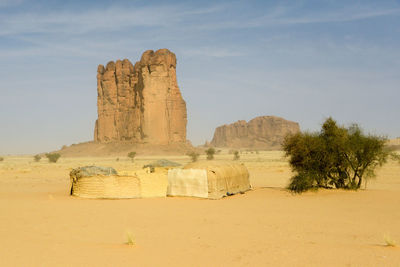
(301,60)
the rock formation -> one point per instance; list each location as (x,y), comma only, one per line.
(394,143)
(140,103)
(265,132)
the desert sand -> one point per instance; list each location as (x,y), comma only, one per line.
(41,225)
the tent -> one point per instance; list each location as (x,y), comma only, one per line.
(105,182)
(208,179)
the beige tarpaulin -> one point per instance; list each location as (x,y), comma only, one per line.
(153,184)
(103,182)
(189,182)
(101,186)
(222,179)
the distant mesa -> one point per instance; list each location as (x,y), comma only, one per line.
(140,103)
(394,143)
(264,132)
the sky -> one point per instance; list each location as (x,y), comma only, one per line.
(300,60)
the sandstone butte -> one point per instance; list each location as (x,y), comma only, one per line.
(140,103)
(264,132)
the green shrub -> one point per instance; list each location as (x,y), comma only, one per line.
(236,155)
(193,156)
(37,158)
(53,157)
(132,155)
(335,157)
(210,153)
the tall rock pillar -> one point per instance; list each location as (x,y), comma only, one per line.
(141,103)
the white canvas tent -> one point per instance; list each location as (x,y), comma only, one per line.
(212,180)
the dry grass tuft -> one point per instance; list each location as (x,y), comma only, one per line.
(130,239)
(389,241)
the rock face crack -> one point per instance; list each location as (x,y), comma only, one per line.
(141,103)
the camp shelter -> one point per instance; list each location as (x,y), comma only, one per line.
(105,182)
(208,179)
(152,184)
(162,163)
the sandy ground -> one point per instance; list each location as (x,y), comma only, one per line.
(41,225)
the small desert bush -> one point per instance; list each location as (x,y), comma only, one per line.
(132,155)
(117,159)
(53,157)
(37,158)
(193,156)
(1,158)
(236,155)
(210,153)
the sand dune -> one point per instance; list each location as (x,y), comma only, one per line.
(41,225)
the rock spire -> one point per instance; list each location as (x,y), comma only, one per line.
(140,103)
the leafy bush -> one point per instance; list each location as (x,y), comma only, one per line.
(53,157)
(132,155)
(194,156)
(210,153)
(37,158)
(236,155)
(335,157)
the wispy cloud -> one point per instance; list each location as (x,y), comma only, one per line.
(281,15)
(81,23)
(10,3)
(119,19)
(110,19)
(215,52)
(351,14)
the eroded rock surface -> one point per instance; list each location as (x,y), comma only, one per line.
(265,132)
(140,103)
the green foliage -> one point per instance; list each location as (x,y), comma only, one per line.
(194,156)
(301,182)
(236,155)
(132,155)
(336,157)
(53,157)
(37,158)
(210,153)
